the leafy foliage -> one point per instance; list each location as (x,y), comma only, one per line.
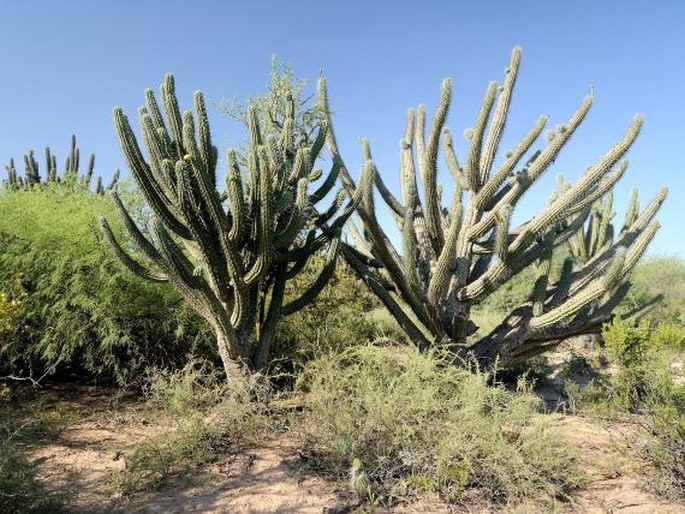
(79,308)
(659,275)
(9,313)
(338,319)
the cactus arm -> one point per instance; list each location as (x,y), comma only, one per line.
(633,210)
(268,328)
(451,159)
(88,176)
(236,202)
(571,202)
(324,217)
(473,171)
(208,152)
(543,268)
(444,268)
(128,261)
(313,290)
(392,202)
(534,171)
(582,298)
(319,142)
(115,180)
(360,241)
(297,219)
(597,264)
(499,116)
(372,280)
(327,184)
(265,236)
(143,175)
(173,113)
(331,141)
(501,272)
(408,237)
(491,186)
(143,244)
(428,167)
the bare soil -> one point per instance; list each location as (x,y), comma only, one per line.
(85,457)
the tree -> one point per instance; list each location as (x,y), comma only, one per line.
(230,253)
(453,257)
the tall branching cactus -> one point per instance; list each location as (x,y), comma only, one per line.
(70,176)
(454,256)
(229,253)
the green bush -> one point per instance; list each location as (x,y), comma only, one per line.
(20,490)
(404,422)
(665,422)
(659,275)
(9,313)
(79,309)
(343,314)
(645,378)
(642,355)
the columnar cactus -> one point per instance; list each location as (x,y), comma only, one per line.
(70,176)
(229,253)
(454,256)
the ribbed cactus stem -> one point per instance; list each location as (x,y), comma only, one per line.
(451,260)
(632,211)
(499,116)
(229,253)
(70,178)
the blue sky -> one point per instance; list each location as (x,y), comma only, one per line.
(66,64)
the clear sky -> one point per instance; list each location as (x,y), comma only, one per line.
(67,63)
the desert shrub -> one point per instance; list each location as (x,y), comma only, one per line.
(80,310)
(179,453)
(665,422)
(383,325)
(9,313)
(659,275)
(642,356)
(626,348)
(668,335)
(643,379)
(344,313)
(400,421)
(20,490)
(202,418)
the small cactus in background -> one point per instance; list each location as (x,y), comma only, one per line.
(230,251)
(70,176)
(452,257)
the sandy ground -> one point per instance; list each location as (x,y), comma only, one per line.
(85,456)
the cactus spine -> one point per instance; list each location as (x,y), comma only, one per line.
(229,253)
(453,257)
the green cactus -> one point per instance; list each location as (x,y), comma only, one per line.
(453,257)
(229,253)
(70,177)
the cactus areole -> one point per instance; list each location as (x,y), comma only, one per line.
(453,256)
(230,250)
